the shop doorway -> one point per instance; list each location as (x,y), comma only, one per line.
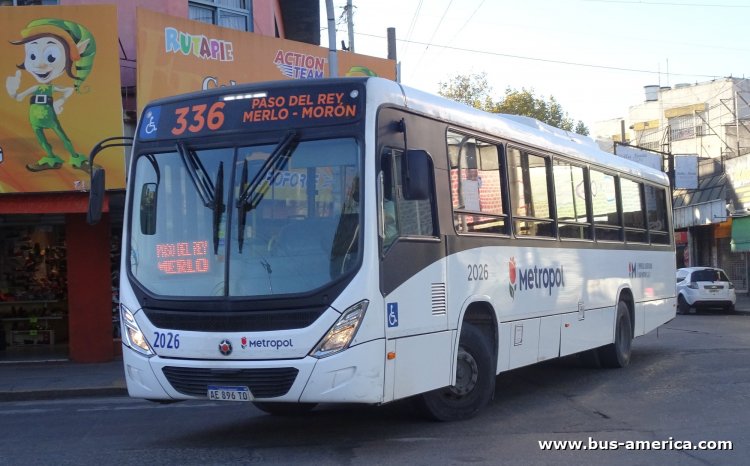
(33,288)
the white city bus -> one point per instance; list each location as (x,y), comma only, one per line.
(353,240)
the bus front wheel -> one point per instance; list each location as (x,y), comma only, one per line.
(617,354)
(475,381)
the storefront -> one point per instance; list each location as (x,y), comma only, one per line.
(56,279)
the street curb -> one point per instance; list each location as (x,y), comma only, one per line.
(59,394)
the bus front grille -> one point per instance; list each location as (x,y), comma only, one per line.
(263,383)
(234,321)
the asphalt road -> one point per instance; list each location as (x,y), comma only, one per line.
(688,381)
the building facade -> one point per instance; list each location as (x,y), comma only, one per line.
(710,123)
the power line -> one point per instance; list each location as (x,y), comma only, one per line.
(639,2)
(460,30)
(439,24)
(427,45)
(545,60)
(413,23)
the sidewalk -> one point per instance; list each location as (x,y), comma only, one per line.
(64,379)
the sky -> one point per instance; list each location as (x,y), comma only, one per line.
(593,56)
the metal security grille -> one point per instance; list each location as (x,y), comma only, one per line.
(263,383)
(734,264)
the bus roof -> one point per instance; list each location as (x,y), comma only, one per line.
(517,128)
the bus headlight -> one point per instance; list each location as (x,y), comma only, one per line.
(342,333)
(132,335)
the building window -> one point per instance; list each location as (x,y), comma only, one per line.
(686,127)
(233,14)
(27,2)
(649,138)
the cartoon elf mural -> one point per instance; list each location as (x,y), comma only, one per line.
(53,47)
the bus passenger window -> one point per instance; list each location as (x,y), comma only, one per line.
(604,203)
(529,178)
(476,187)
(570,201)
(656,212)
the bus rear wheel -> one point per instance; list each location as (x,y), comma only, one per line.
(475,381)
(284,409)
(617,354)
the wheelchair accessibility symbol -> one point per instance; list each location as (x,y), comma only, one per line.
(392,314)
(149,129)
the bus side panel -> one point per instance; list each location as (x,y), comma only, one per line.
(658,312)
(422,363)
(524,342)
(549,337)
(639,328)
(530,341)
(596,329)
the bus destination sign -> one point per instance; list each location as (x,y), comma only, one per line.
(252,111)
(183,257)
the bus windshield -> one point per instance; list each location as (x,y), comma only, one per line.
(246,221)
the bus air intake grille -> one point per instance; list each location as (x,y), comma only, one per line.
(263,383)
(439,306)
(249,321)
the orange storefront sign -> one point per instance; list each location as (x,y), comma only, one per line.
(60,67)
(177,55)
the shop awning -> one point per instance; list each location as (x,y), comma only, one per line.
(740,234)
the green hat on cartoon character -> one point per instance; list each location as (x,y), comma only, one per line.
(53,47)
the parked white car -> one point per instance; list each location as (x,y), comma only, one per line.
(704,287)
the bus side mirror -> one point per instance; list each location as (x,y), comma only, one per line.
(148,208)
(96,197)
(417,173)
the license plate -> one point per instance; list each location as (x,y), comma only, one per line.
(216,393)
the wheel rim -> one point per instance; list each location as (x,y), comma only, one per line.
(467,374)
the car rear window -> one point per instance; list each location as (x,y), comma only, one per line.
(709,275)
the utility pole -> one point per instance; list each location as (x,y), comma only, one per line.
(392,51)
(350,23)
(333,62)
(737,119)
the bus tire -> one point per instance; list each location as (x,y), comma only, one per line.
(284,409)
(475,381)
(617,354)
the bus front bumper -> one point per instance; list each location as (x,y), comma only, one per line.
(355,375)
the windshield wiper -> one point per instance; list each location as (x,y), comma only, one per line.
(211,194)
(252,193)
(218,205)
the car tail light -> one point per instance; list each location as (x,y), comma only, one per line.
(693,285)
(731,285)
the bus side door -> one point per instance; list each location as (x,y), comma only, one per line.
(412,266)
